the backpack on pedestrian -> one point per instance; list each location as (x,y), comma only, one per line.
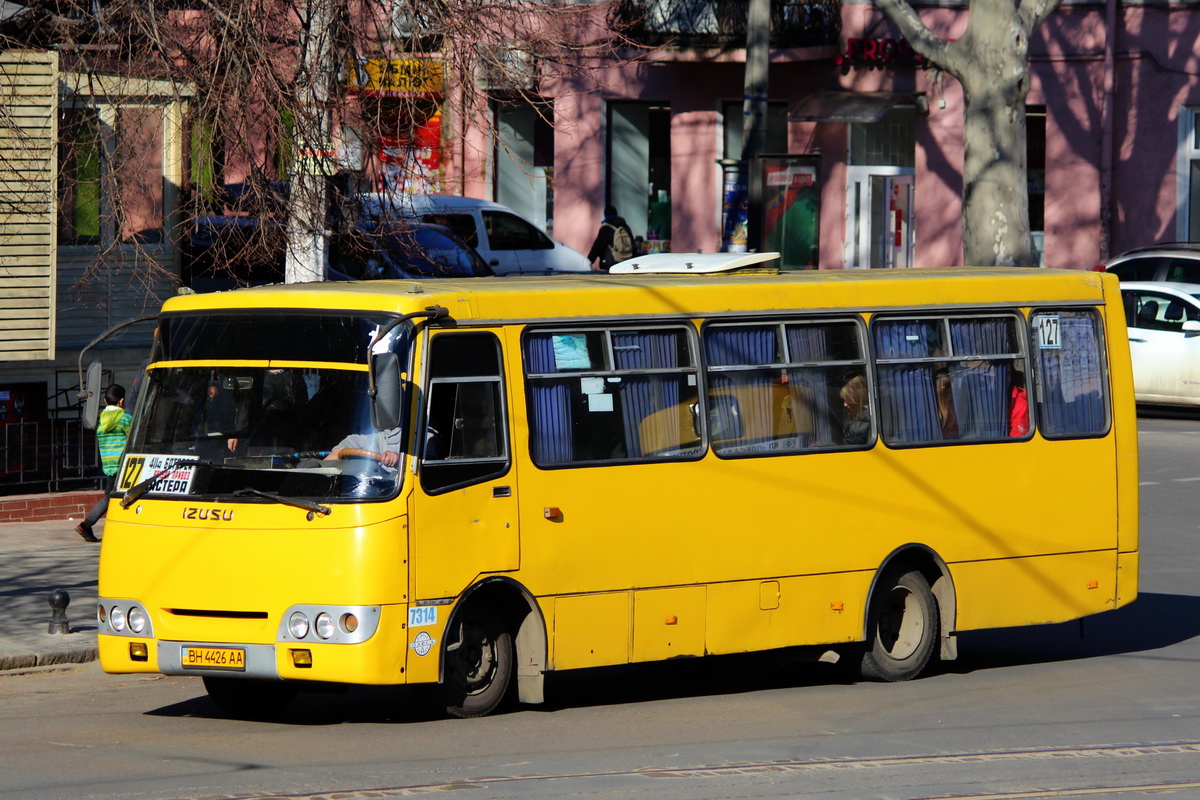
(621,248)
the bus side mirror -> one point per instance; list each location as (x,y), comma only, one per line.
(91,395)
(385,405)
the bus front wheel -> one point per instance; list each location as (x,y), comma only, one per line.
(479,666)
(249,699)
(902,627)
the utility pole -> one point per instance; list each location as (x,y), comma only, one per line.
(312,157)
(754,109)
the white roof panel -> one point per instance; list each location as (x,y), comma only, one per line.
(689,263)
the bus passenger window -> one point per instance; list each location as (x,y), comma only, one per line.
(610,395)
(947,378)
(1072,391)
(783,380)
(465,438)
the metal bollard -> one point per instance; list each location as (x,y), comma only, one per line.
(59,600)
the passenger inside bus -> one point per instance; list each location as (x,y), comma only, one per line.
(856,420)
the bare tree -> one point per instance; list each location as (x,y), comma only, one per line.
(991,61)
(270,87)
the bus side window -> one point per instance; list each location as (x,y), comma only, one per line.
(1072,388)
(774,388)
(465,436)
(949,378)
(611,394)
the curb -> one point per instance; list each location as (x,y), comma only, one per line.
(50,655)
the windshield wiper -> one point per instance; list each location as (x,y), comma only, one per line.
(136,492)
(311,508)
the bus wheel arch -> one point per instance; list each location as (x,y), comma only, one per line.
(521,636)
(909,615)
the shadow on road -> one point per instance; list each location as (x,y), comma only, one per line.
(1153,622)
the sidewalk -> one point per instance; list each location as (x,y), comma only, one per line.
(37,557)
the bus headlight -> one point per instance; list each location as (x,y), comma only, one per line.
(298,625)
(116,618)
(137,619)
(328,623)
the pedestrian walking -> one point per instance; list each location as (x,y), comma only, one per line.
(614,241)
(112,431)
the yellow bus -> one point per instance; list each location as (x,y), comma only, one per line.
(472,483)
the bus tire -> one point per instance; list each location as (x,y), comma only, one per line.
(249,699)
(479,667)
(902,627)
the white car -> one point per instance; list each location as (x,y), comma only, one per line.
(1164,341)
(508,242)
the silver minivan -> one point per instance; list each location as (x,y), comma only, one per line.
(509,243)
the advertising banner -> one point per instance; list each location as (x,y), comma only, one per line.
(791,198)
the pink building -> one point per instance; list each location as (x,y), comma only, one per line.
(1113,146)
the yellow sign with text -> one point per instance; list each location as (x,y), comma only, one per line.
(396,76)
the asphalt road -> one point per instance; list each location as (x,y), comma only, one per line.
(1107,709)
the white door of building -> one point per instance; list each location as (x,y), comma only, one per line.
(879,217)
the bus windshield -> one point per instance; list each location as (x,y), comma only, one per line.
(227,428)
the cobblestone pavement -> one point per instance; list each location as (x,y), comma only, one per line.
(36,558)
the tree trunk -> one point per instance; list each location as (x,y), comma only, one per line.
(307,237)
(995,178)
(991,61)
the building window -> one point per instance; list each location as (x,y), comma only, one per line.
(138,169)
(525,160)
(889,142)
(776,143)
(111,174)
(1188,181)
(1035,149)
(205,165)
(639,168)
(79,176)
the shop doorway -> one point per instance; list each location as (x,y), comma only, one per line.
(639,168)
(879,218)
(879,192)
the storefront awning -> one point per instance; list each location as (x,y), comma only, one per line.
(843,106)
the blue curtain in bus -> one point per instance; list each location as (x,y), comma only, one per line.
(907,397)
(644,395)
(809,386)
(550,403)
(980,388)
(1072,382)
(742,403)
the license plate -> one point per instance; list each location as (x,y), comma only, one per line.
(233,658)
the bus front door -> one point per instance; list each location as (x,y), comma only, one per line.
(465,509)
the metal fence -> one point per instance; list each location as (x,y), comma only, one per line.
(50,455)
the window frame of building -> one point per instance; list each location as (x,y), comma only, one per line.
(110,98)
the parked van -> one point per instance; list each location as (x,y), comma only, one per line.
(509,243)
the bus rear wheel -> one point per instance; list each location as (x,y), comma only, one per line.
(479,666)
(249,699)
(902,627)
